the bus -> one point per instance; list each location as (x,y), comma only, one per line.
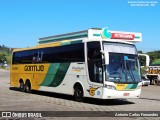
(94,63)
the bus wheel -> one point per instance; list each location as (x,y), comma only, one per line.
(78,93)
(28,87)
(21,86)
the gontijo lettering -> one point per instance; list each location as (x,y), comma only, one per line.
(34,68)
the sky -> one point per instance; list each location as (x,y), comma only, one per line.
(23,22)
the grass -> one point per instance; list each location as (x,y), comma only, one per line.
(156,62)
(2,67)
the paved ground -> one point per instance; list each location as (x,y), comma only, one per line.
(13,100)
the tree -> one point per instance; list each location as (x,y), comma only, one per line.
(2,57)
(154,55)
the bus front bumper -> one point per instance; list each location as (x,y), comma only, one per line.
(115,94)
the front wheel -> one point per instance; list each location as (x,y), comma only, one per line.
(78,93)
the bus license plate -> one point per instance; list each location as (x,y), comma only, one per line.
(126,94)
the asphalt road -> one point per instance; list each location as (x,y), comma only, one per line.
(13,100)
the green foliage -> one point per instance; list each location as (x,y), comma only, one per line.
(143,70)
(139,51)
(2,57)
(154,58)
(156,62)
(5,54)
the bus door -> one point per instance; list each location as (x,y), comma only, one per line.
(95,69)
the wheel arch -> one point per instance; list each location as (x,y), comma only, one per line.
(28,82)
(21,80)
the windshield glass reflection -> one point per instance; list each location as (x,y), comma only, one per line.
(123,68)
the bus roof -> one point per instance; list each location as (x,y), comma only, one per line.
(94,33)
(67,42)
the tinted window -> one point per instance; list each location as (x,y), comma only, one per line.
(66,53)
(23,57)
(94,62)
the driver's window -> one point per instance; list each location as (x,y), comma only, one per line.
(94,58)
(114,63)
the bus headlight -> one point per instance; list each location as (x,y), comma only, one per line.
(110,87)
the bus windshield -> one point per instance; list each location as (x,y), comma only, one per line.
(123,67)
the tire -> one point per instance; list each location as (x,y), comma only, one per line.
(78,93)
(28,87)
(21,87)
(154,81)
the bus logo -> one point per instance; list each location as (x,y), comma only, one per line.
(6,114)
(34,68)
(106,34)
(92,91)
(77,69)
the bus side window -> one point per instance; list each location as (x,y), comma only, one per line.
(94,62)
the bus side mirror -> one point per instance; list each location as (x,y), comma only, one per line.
(106,57)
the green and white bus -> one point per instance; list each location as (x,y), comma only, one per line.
(94,63)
